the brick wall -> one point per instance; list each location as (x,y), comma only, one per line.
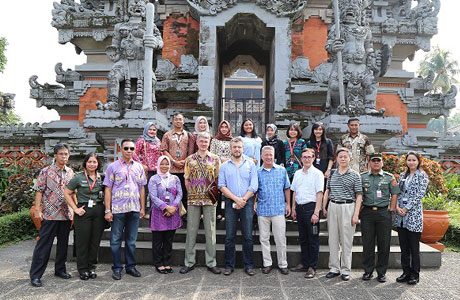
(89,99)
(394,107)
(180,36)
(308,39)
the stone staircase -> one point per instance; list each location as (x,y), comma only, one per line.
(430,257)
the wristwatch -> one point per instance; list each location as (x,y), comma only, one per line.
(107,211)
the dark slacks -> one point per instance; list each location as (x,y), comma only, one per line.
(162,247)
(309,242)
(48,231)
(376,225)
(410,251)
(184,189)
(88,233)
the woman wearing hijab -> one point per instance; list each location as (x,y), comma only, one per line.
(252,143)
(165,196)
(148,149)
(220,145)
(201,125)
(271,139)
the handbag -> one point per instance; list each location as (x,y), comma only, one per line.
(212,189)
(182,210)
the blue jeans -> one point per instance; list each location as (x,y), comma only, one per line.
(231,218)
(124,224)
(309,242)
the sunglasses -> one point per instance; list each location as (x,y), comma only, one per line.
(376,160)
(128,148)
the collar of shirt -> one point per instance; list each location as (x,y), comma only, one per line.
(275,166)
(123,162)
(307,171)
(244,158)
(379,173)
(352,138)
(56,168)
(177,133)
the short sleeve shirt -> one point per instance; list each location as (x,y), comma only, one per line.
(51,183)
(200,172)
(378,188)
(80,184)
(344,187)
(307,185)
(270,196)
(179,146)
(360,147)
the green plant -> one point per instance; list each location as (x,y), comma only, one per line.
(16,227)
(453,187)
(435,201)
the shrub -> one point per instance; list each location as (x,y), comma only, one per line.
(16,227)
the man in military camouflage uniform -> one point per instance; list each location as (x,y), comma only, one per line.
(359,145)
(380,191)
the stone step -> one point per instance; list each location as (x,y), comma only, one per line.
(144,234)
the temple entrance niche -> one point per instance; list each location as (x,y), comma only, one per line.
(244,93)
(240,49)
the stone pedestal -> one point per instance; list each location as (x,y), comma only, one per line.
(377,128)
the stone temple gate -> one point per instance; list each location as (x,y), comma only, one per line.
(271,60)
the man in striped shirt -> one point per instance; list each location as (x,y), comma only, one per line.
(344,191)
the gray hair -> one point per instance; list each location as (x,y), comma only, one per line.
(268,148)
(203,135)
(236,139)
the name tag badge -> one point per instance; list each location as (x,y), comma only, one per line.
(167,198)
(90,203)
(317,161)
(379,194)
(127,186)
(178,153)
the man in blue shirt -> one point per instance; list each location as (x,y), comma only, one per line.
(273,202)
(238,183)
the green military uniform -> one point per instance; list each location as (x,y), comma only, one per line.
(90,226)
(376,217)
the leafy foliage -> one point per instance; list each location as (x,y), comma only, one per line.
(16,226)
(10,118)
(3,60)
(445,68)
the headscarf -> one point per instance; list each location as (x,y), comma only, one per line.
(146,135)
(161,174)
(224,137)
(197,122)
(274,139)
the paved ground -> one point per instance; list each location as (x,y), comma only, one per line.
(436,284)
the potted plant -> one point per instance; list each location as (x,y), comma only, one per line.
(435,219)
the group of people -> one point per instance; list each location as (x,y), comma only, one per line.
(267,178)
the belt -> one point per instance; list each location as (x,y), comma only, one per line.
(375,208)
(342,202)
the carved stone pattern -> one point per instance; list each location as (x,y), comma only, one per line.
(188,66)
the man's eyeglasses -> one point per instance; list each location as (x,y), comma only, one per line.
(128,148)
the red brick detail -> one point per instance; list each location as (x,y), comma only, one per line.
(180,36)
(391,84)
(301,107)
(308,39)
(89,99)
(394,107)
(68,117)
(95,78)
(417,125)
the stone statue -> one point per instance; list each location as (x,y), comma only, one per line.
(361,63)
(6,102)
(125,80)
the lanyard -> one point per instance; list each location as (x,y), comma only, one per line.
(291,148)
(91,186)
(128,168)
(318,147)
(178,137)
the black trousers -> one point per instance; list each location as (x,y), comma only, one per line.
(48,231)
(409,242)
(309,242)
(184,190)
(376,225)
(88,233)
(162,247)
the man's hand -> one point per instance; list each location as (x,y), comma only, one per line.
(80,211)
(314,218)
(354,220)
(288,210)
(327,173)
(38,214)
(325,212)
(108,217)
(142,213)
(293,213)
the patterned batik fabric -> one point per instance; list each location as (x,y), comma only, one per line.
(147,153)
(221,149)
(51,182)
(360,147)
(126,181)
(272,183)
(179,146)
(197,192)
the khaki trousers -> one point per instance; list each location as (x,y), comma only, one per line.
(341,234)
(279,233)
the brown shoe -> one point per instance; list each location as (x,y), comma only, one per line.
(299,268)
(310,273)
(267,270)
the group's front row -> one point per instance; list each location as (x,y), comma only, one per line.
(118,198)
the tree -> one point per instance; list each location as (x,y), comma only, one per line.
(9,118)
(3,60)
(445,68)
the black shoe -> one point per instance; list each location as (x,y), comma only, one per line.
(63,275)
(214,270)
(168,269)
(345,277)
(228,271)
(36,282)
(267,270)
(412,280)
(84,276)
(299,268)
(403,278)
(367,276)
(284,271)
(185,269)
(92,275)
(133,272)
(250,271)
(382,278)
(332,275)
(116,275)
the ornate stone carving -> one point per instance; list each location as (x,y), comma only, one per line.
(166,70)
(53,96)
(361,62)
(300,68)
(244,62)
(188,66)
(6,102)
(277,7)
(68,10)
(128,52)
(66,77)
